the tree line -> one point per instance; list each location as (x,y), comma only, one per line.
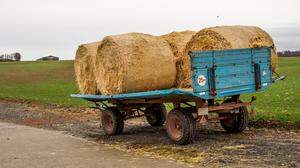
(289,53)
(10,57)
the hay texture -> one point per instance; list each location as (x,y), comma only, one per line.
(226,37)
(178,41)
(134,62)
(84,70)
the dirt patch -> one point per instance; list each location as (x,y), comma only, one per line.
(274,125)
(213,147)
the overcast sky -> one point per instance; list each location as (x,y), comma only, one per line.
(38,28)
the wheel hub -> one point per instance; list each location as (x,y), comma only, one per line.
(175,128)
(108,122)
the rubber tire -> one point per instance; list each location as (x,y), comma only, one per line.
(241,120)
(188,126)
(117,119)
(160,111)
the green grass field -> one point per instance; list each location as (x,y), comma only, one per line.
(46,82)
(282,100)
(52,83)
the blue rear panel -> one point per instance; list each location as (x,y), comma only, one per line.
(230,72)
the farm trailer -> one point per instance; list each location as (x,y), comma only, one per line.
(216,74)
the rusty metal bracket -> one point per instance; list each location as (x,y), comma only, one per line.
(224,108)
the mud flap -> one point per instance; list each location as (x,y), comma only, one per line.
(202,113)
(252,111)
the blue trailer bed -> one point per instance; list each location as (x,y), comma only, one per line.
(139,95)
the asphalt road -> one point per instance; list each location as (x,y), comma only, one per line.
(28,147)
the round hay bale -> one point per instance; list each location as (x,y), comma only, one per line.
(134,62)
(226,37)
(177,41)
(84,70)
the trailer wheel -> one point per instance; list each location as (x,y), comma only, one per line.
(236,122)
(156,114)
(112,121)
(180,127)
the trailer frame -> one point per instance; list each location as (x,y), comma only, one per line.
(219,78)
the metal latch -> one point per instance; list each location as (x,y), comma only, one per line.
(257,76)
(212,81)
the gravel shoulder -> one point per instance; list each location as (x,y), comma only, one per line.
(261,145)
